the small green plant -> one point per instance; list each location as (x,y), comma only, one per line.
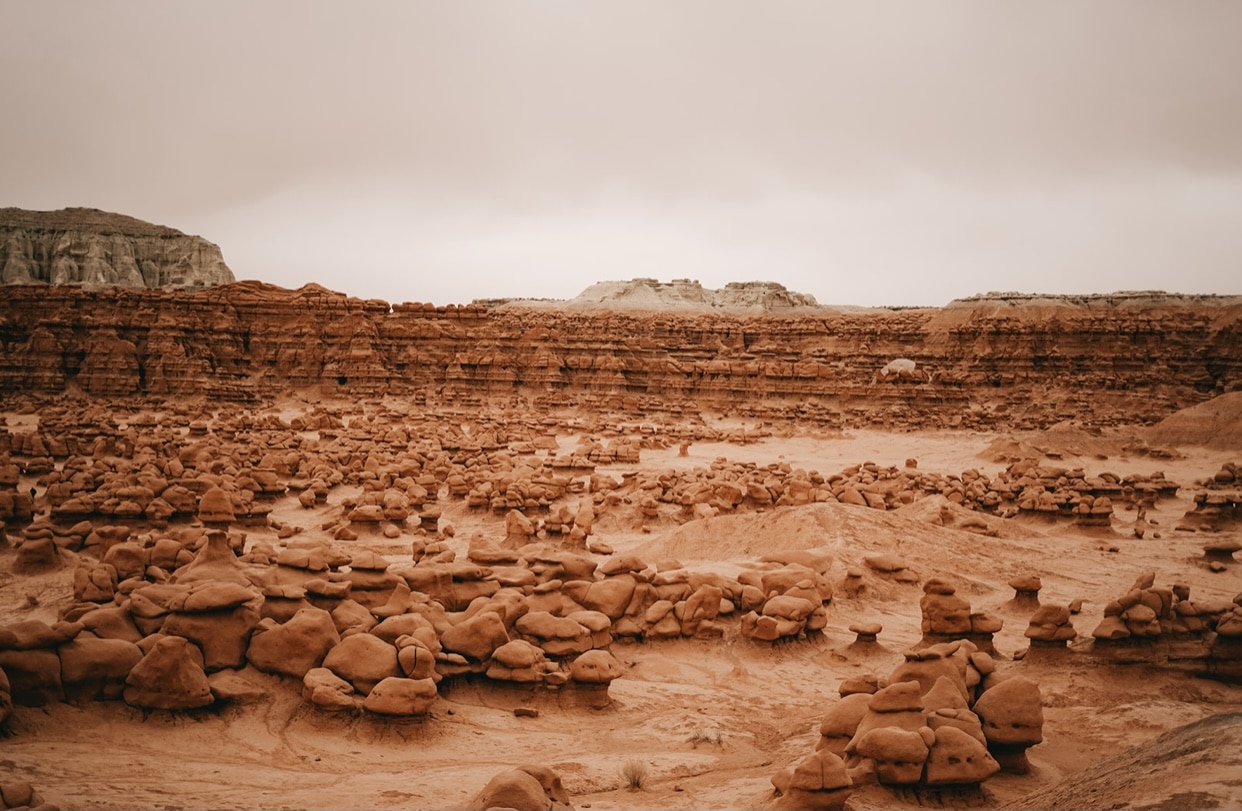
(634,772)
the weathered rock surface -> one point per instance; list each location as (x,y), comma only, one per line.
(984,359)
(85,246)
(678,294)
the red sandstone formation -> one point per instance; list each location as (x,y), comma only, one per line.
(988,359)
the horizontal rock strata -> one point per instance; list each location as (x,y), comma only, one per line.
(973,364)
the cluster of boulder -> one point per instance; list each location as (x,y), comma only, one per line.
(1163,625)
(144,469)
(1025,487)
(1214,511)
(947,616)
(157,616)
(152,628)
(945,718)
(1147,610)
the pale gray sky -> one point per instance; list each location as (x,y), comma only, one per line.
(866,152)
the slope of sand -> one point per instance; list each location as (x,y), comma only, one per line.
(1193,766)
(711,720)
(1216,423)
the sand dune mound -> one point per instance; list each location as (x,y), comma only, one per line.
(1216,423)
(1188,767)
(916,534)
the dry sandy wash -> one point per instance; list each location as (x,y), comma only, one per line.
(273,549)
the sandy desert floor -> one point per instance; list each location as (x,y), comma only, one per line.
(713,721)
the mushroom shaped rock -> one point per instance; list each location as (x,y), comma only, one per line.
(526,788)
(1051,624)
(517,661)
(168,678)
(401,697)
(592,672)
(363,660)
(957,759)
(595,667)
(898,754)
(294,647)
(943,611)
(215,507)
(818,781)
(328,691)
(1013,720)
(36,555)
(1026,590)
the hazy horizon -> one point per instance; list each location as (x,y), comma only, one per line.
(871,154)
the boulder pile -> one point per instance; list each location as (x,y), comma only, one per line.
(945,718)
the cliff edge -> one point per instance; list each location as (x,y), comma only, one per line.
(85,246)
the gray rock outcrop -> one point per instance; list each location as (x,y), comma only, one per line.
(85,246)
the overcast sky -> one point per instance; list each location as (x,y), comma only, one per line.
(867,153)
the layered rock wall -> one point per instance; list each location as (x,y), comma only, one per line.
(84,246)
(974,363)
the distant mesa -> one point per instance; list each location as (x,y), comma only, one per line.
(92,248)
(679,294)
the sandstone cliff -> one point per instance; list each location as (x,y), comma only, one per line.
(84,246)
(975,364)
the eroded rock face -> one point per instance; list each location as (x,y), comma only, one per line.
(247,340)
(84,246)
